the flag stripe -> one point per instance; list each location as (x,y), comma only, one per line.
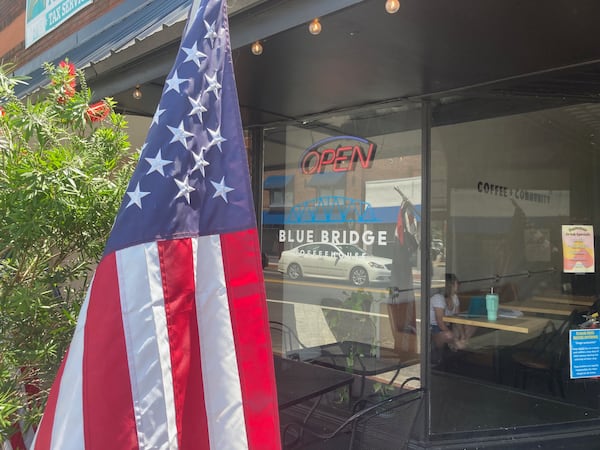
(222,388)
(17,442)
(109,420)
(148,351)
(177,268)
(57,413)
(245,286)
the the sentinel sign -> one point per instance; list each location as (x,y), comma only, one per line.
(43,16)
(584,348)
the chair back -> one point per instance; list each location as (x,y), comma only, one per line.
(508,292)
(552,343)
(560,347)
(285,341)
(402,322)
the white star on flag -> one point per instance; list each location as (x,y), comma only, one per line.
(213,85)
(157,164)
(174,82)
(136,196)
(193,54)
(211,34)
(221,189)
(217,139)
(180,134)
(201,163)
(197,107)
(156,116)
(184,188)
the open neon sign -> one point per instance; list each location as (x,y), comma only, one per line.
(350,152)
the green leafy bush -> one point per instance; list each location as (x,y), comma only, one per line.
(64,168)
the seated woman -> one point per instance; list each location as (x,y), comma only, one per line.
(443,305)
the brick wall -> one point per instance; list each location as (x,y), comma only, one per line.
(11,9)
(12,29)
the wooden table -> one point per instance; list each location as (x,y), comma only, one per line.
(542,307)
(525,324)
(522,325)
(581,300)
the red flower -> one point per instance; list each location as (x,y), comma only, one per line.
(2,112)
(70,65)
(98,111)
(69,86)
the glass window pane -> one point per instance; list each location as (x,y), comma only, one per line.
(344,244)
(511,178)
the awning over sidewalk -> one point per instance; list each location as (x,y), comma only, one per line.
(277,181)
(126,24)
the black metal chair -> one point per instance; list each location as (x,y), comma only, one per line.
(375,426)
(291,345)
(546,357)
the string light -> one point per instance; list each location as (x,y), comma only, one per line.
(315,26)
(137,92)
(392,6)
(257,48)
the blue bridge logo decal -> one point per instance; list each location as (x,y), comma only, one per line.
(331,209)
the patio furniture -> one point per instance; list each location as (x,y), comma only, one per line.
(546,357)
(373,427)
(360,359)
(299,382)
(289,344)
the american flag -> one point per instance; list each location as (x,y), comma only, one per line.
(172,347)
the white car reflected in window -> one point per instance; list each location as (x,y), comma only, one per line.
(331,261)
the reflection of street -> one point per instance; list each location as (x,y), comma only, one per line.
(285,295)
(312,291)
(301,304)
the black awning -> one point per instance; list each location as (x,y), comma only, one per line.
(277,181)
(107,34)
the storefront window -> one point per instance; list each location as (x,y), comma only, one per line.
(514,203)
(341,228)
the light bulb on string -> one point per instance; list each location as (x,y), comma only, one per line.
(137,92)
(314,27)
(257,48)
(392,6)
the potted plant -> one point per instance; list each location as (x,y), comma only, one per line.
(349,319)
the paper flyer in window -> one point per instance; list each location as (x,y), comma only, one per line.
(578,248)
